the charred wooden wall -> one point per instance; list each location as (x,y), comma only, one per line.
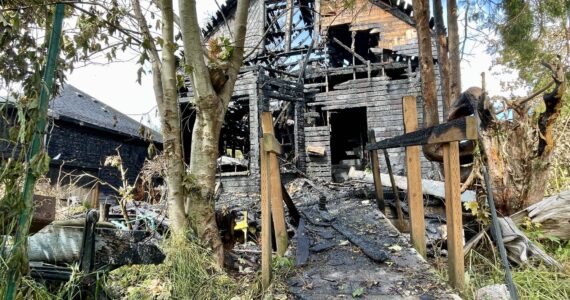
(319,167)
(246,85)
(255,25)
(365,16)
(382,98)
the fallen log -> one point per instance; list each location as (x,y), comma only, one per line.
(429,187)
(553,213)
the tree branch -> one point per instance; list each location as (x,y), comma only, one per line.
(236,59)
(143,25)
(193,52)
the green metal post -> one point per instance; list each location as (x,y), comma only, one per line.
(20,238)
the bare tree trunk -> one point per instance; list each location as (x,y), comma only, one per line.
(211,107)
(431,114)
(170,121)
(442,56)
(165,91)
(200,205)
(518,150)
(454,55)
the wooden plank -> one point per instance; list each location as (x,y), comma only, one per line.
(456,268)
(288,25)
(270,143)
(376,174)
(276,95)
(345,47)
(401,223)
(277,210)
(315,150)
(303,244)
(293,212)
(415,195)
(456,130)
(95,196)
(429,187)
(266,248)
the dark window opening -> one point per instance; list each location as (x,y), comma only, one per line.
(364,40)
(348,138)
(234,142)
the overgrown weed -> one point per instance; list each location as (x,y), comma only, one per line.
(533,281)
(190,272)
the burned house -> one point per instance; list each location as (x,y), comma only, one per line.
(82,132)
(329,75)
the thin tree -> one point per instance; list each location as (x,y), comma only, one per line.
(212,100)
(454,53)
(442,54)
(427,72)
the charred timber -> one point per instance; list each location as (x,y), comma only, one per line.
(456,130)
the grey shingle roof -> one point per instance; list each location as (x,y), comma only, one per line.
(80,107)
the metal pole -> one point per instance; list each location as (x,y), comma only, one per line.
(495,227)
(497,235)
(20,238)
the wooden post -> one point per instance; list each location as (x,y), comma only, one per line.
(456,268)
(277,210)
(376,173)
(95,196)
(265,218)
(104,208)
(288,28)
(415,195)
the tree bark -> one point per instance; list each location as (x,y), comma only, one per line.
(211,105)
(442,56)
(454,54)
(518,150)
(170,121)
(166,95)
(431,114)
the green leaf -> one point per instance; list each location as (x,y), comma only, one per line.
(358,292)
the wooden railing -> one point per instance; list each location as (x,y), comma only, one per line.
(449,135)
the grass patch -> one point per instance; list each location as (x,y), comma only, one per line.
(534,281)
(190,272)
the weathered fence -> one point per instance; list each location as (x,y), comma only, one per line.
(448,135)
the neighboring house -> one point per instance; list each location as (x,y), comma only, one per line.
(360,62)
(83,131)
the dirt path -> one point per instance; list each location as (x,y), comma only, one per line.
(356,252)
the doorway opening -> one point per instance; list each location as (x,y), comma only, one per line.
(348,139)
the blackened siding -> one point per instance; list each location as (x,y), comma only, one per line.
(246,85)
(83,148)
(382,98)
(319,167)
